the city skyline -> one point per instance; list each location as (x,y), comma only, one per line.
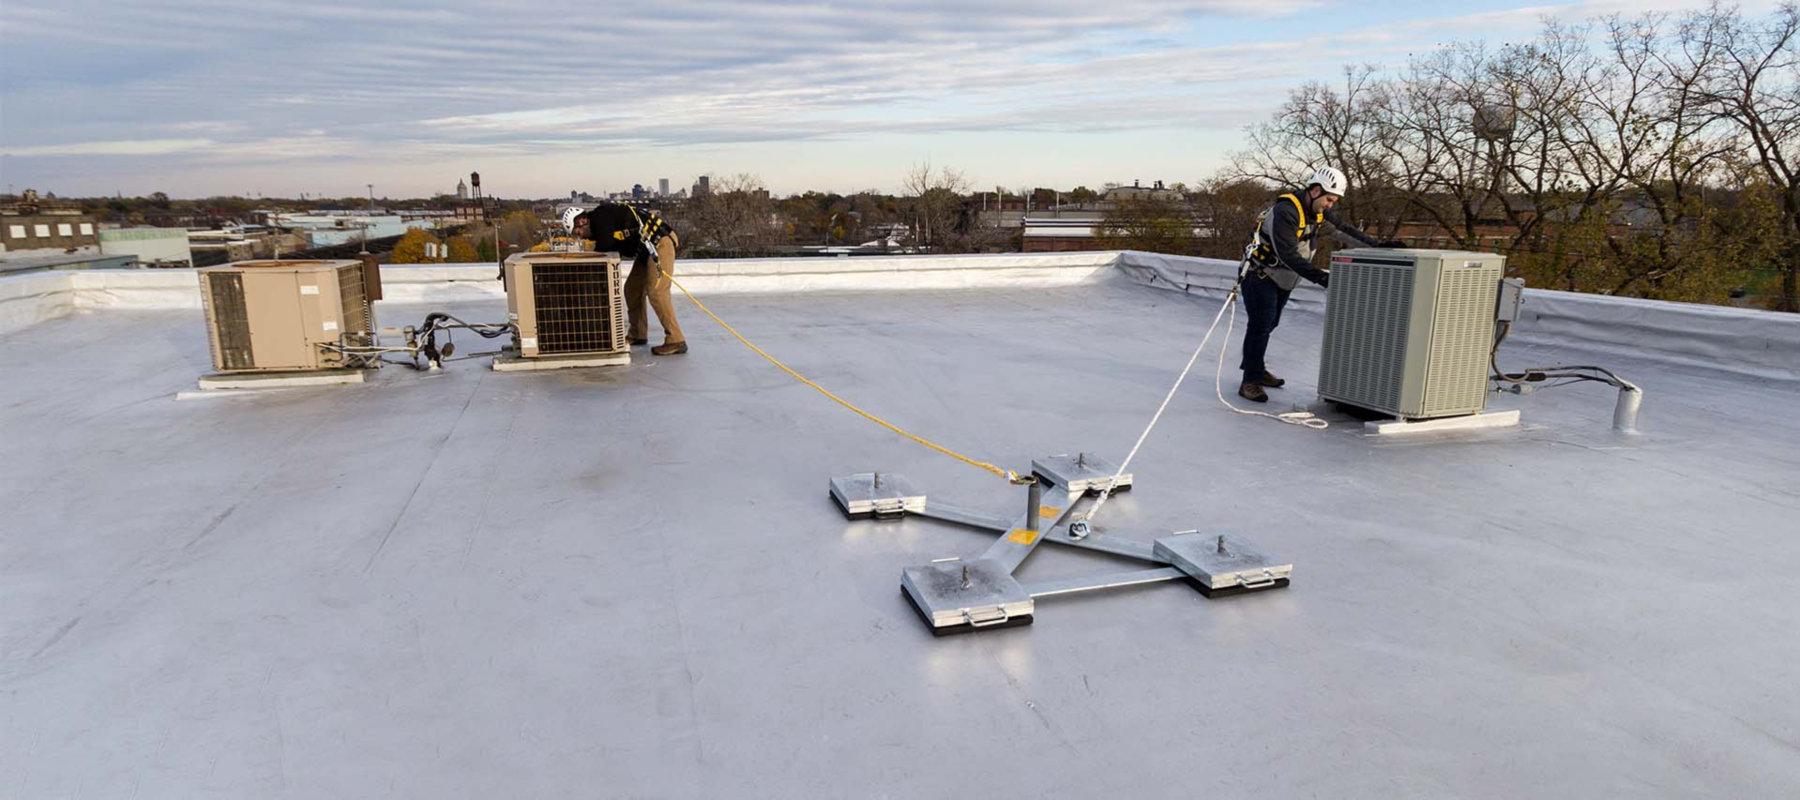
(265,99)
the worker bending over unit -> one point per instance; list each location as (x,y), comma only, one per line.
(639,233)
(1280,254)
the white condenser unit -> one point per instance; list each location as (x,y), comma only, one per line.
(567,303)
(287,315)
(1409,332)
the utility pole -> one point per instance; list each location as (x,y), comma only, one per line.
(371,197)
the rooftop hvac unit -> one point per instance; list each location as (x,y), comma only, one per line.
(1409,332)
(567,303)
(274,315)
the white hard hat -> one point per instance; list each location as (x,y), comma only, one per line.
(1329,179)
(568,217)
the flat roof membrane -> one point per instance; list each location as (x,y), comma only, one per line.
(631,582)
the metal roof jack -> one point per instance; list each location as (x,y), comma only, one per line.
(953,595)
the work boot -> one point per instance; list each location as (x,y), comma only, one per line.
(639,342)
(670,349)
(1268,379)
(1252,392)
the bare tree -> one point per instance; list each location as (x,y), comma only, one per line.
(1622,156)
(1317,126)
(1446,169)
(1154,224)
(936,196)
(520,230)
(1751,76)
(1226,210)
(1488,148)
(736,218)
(1669,152)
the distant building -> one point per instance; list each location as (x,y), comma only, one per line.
(462,190)
(36,231)
(153,247)
(240,242)
(702,187)
(222,246)
(997,201)
(662,187)
(1136,191)
(33,224)
(1061,232)
(326,228)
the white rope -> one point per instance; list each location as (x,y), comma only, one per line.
(1106,492)
(1305,418)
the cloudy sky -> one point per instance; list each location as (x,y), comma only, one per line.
(197,97)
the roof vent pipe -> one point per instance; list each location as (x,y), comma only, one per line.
(1625,413)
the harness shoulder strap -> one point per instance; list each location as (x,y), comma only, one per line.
(650,222)
(1299,211)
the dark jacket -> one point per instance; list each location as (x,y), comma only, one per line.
(625,228)
(1286,239)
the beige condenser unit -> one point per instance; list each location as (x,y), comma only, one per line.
(286,315)
(566,303)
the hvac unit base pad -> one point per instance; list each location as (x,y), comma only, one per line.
(281,380)
(511,361)
(1468,422)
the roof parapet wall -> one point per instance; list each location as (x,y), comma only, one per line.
(1764,344)
(1757,343)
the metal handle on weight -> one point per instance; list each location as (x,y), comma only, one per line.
(969,618)
(1268,579)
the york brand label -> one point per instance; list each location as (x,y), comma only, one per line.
(308,289)
(329,325)
(528,341)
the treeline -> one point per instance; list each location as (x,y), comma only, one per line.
(1650,156)
(739,217)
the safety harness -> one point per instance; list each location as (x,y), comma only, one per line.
(1262,255)
(651,227)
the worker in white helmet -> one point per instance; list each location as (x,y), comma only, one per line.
(1279,256)
(569,215)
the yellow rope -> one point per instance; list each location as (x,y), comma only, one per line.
(1003,473)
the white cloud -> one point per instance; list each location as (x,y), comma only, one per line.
(285,85)
(125,147)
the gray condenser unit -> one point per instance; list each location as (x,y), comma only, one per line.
(1409,332)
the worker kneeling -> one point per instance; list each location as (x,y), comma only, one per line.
(1280,254)
(639,233)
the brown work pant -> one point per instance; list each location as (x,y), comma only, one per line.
(640,285)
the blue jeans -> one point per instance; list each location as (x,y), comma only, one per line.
(1263,301)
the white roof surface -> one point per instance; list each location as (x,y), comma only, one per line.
(630,582)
